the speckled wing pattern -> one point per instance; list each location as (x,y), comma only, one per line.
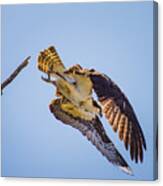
(94,132)
(120,114)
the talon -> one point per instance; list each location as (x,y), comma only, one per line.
(48,80)
(45,79)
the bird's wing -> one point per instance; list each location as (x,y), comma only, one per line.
(49,61)
(94,132)
(120,114)
(82,82)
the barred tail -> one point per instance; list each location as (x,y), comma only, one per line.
(49,61)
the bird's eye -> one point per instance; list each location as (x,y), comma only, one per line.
(74,83)
(92,70)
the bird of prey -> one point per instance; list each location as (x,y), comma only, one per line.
(75,106)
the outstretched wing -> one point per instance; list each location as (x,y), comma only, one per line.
(49,61)
(120,114)
(94,132)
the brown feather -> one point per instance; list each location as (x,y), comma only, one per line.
(112,115)
(121,126)
(108,112)
(126,133)
(129,130)
(107,105)
(116,119)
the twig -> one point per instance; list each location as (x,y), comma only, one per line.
(14,74)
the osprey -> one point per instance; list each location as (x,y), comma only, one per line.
(76,106)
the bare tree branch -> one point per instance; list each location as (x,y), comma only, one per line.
(14,74)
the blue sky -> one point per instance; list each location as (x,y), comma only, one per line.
(113,38)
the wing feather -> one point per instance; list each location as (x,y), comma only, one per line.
(119,114)
(94,132)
